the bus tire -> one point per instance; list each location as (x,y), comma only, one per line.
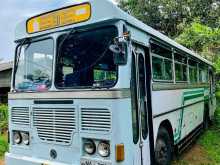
(206,120)
(163,148)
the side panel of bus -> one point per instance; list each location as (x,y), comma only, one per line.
(180,104)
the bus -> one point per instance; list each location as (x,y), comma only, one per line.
(93,85)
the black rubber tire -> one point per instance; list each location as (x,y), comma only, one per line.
(206,121)
(163,148)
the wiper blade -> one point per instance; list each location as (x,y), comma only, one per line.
(72,31)
(18,54)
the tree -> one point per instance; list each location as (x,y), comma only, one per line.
(202,39)
(193,23)
(171,16)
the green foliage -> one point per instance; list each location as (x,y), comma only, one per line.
(3,118)
(209,144)
(3,128)
(210,140)
(171,16)
(3,145)
(193,23)
(202,39)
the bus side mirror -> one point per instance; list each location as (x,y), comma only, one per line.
(119,50)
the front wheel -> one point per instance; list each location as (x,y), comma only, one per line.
(163,149)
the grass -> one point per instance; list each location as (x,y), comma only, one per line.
(206,151)
(3,145)
(3,128)
(3,118)
(210,140)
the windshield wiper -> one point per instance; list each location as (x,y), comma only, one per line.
(72,31)
(18,53)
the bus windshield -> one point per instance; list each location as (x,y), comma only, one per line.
(85,61)
(34,69)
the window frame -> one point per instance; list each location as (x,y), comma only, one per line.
(203,67)
(163,63)
(186,63)
(84,87)
(33,40)
(177,53)
(193,67)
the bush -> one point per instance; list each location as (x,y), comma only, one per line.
(3,145)
(3,118)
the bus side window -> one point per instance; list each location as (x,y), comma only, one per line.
(161,63)
(134,102)
(157,68)
(180,67)
(193,71)
(203,73)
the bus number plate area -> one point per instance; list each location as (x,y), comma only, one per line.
(93,162)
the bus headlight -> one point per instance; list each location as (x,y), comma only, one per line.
(104,149)
(25,138)
(89,147)
(17,137)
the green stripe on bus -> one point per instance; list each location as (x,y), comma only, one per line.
(193,96)
(193,92)
(186,96)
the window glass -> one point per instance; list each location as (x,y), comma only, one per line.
(162,62)
(193,74)
(180,67)
(203,74)
(35,65)
(142,89)
(184,72)
(163,51)
(134,102)
(157,64)
(85,60)
(168,75)
(193,71)
(206,75)
(178,71)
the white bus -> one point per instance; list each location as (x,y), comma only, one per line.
(92,85)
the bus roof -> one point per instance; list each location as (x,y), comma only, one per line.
(111,12)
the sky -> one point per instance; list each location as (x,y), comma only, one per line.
(13,12)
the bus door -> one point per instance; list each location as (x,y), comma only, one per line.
(142,156)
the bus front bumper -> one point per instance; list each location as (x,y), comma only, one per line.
(12,159)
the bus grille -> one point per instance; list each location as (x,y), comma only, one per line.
(20,115)
(55,125)
(95,120)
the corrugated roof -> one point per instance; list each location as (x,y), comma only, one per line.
(6,66)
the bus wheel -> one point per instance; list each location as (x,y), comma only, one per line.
(206,121)
(163,149)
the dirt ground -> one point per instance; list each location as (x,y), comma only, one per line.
(1,162)
(195,155)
